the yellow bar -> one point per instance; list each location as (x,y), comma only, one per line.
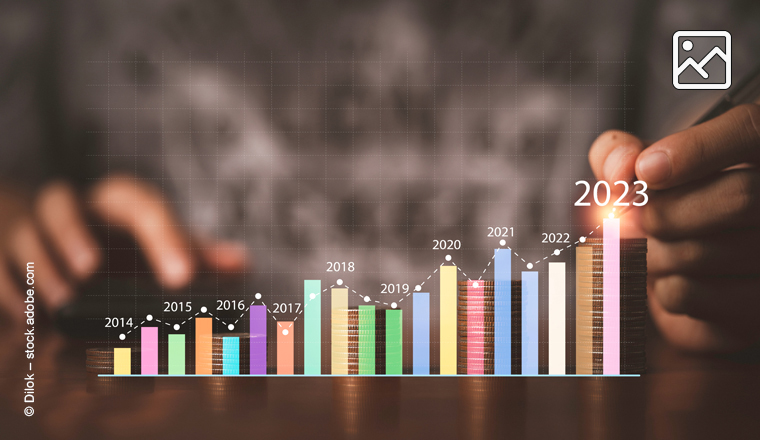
(339,329)
(448,286)
(122,361)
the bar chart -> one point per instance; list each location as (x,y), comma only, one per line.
(482,327)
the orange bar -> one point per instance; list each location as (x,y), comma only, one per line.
(203,346)
(285,331)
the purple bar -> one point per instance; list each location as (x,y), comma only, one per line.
(611,297)
(258,339)
(149,350)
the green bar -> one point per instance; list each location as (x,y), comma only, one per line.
(312,333)
(176,354)
(393,348)
(366,339)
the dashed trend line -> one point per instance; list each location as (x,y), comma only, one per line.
(393,304)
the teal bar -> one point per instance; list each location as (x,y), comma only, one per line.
(312,332)
(230,356)
(177,354)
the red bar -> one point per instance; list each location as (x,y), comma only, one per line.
(285,332)
(475,328)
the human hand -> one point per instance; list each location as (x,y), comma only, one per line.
(52,232)
(703,225)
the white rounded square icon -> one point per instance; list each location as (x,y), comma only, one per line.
(702,60)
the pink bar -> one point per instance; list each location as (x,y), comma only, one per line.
(149,350)
(611,297)
(475,328)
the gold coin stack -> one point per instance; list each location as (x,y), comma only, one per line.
(488,327)
(380,340)
(352,330)
(100,360)
(353,340)
(590,300)
(217,352)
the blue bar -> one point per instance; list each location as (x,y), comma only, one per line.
(230,356)
(421,333)
(502,267)
(530,322)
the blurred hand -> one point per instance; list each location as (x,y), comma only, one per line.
(703,226)
(53,234)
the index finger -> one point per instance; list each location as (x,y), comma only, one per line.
(613,155)
(129,203)
(730,139)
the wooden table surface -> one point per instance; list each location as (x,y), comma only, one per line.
(681,397)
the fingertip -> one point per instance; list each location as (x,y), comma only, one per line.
(227,256)
(55,291)
(176,270)
(56,294)
(85,262)
(61,221)
(654,167)
(613,154)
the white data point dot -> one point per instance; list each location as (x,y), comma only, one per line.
(176,326)
(257,296)
(475,284)
(285,332)
(366,299)
(556,251)
(448,257)
(231,327)
(312,296)
(339,282)
(204,309)
(122,336)
(530,265)
(582,239)
(417,288)
(612,215)
(394,305)
(502,242)
(149,317)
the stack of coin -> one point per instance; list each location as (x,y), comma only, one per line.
(590,302)
(380,340)
(487,329)
(353,330)
(100,360)
(217,352)
(353,340)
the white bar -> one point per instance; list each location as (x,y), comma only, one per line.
(556,318)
